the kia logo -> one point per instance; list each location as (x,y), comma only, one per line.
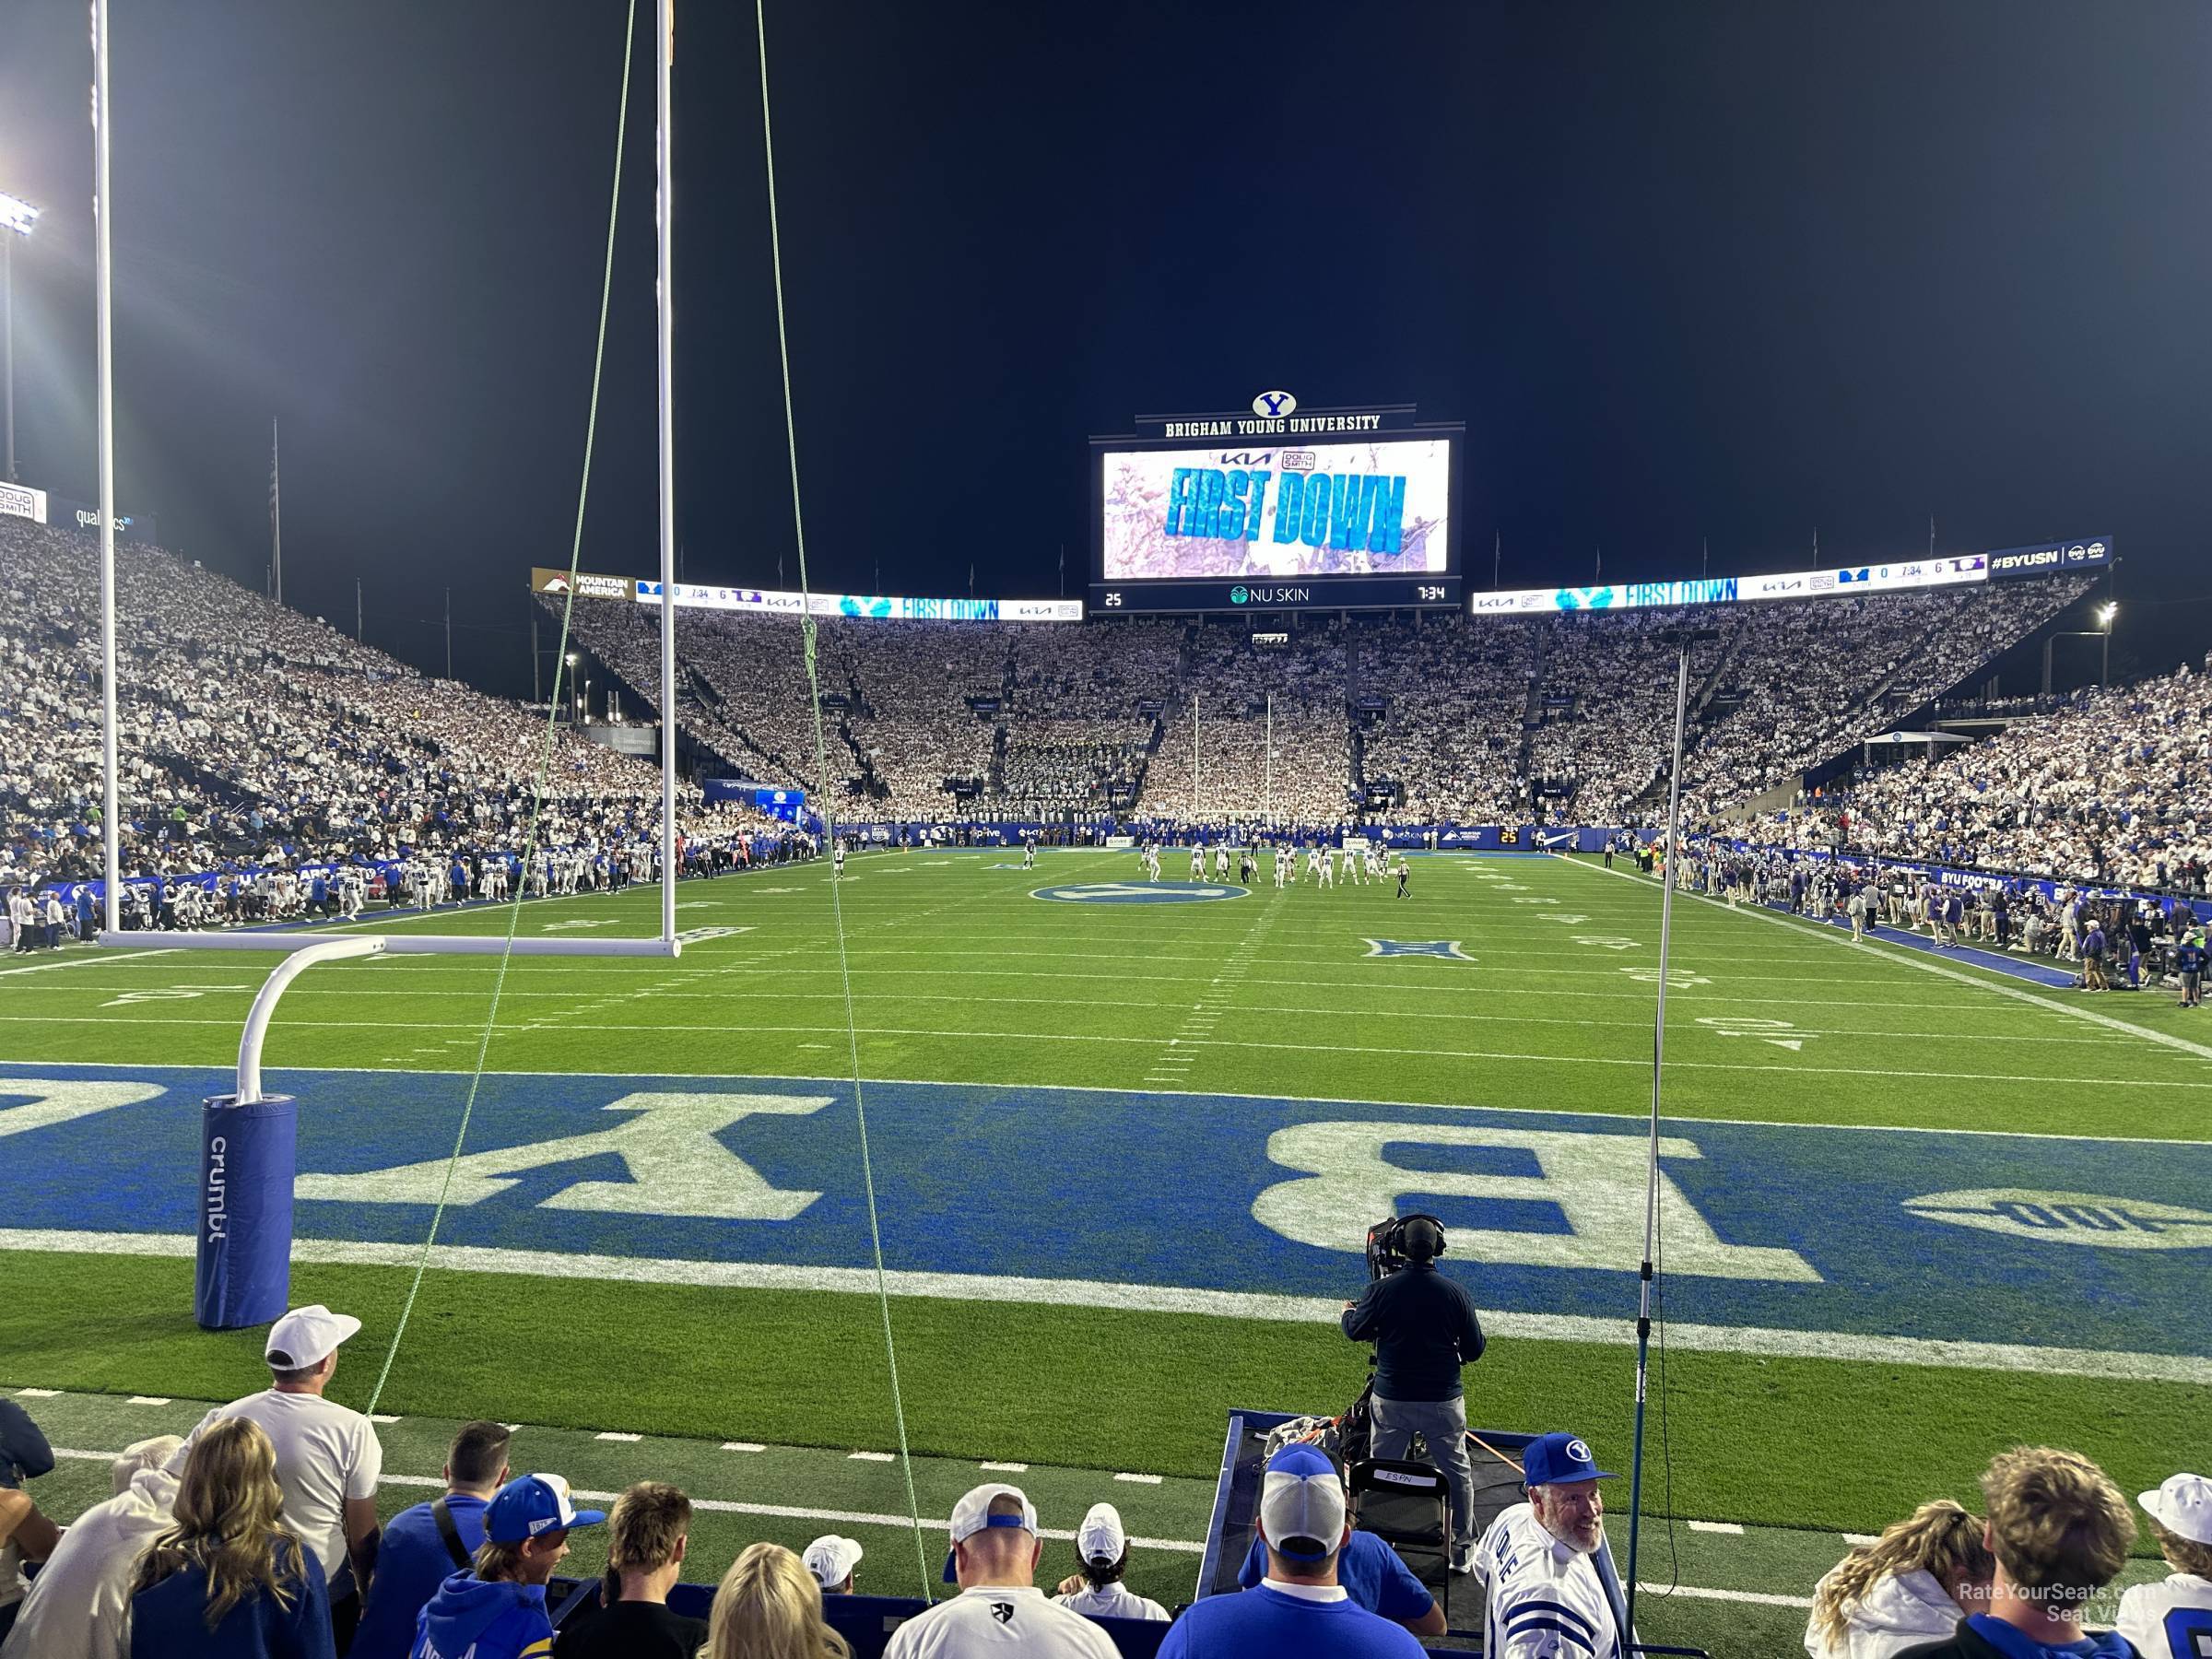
(1272,404)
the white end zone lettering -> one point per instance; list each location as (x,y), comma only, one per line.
(1596,1181)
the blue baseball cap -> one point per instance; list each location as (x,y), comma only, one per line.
(1551,1459)
(533,1504)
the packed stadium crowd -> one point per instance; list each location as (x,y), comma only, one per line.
(252,737)
(2116,787)
(259,1535)
(266,752)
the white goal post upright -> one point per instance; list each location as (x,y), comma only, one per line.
(325,946)
(110,827)
(665,345)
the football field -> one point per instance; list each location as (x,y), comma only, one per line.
(1124,1141)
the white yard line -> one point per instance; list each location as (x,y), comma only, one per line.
(1164,1299)
(38,1067)
(661,992)
(1805,1069)
(1911,958)
(104,958)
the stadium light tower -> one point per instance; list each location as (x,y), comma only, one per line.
(2105,615)
(17,217)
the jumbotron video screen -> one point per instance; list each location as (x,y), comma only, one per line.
(1234,525)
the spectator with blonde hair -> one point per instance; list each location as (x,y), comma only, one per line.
(769,1606)
(2158,1618)
(228,1579)
(1911,1585)
(79,1604)
(2060,1531)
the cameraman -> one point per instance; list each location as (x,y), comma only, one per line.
(1424,1329)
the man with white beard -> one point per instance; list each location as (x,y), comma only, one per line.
(1544,1595)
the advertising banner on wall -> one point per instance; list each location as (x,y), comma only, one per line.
(870,607)
(588,584)
(2052,558)
(19,501)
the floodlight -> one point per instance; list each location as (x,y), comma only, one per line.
(2105,613)
(17,215)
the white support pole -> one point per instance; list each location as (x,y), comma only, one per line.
(1194,757)
(665,296)
(270,943)
(273,988)
(110,827)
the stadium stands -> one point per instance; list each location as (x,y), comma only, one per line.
(2112,789)
(253,734)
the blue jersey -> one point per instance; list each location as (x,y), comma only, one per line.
(1372,1575)
(1267,1624)
(411,1562)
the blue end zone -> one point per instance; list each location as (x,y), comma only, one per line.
(2098,1245)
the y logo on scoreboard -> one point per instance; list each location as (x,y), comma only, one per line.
(1274,404)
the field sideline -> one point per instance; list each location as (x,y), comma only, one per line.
(1910,1201)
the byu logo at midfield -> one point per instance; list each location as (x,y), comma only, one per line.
(2070,1218)
(1138,892)
(1448,949)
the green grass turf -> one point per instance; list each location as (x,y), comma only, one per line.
(958,975)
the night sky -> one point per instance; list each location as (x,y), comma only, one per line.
(1726,271)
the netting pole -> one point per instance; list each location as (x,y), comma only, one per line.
(665,307)
(111,828)
(821,761)
(1651,1186)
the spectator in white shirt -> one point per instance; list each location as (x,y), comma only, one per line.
(2180,1519)
(999,1610)
(329,1458)
(1911,1585)
(1098,1592)
(79,1605)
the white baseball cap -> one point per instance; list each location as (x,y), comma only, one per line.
(1301,1504)
(831,1560)
(307,1336)
(2183,1505)
(972,1514)
(1101,1540)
